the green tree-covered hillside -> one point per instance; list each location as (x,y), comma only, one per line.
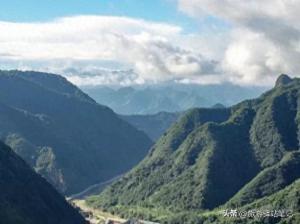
(211,157)
(63,133)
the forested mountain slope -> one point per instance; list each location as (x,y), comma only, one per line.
(26,198)
(64,134)
(211,157)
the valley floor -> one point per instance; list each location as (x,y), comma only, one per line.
(95,216)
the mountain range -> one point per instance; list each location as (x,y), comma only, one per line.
(245,156)
(152,99)
(63,133)
(27,198)
(154,125)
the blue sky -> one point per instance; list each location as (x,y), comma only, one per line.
(37,10)
(152,10)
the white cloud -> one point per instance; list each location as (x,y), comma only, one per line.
(263,41)
(265,36)
(154,50)
(94,76)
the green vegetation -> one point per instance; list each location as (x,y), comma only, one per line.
(288,198)
(64,134)
(213,157)
(269,181)
(26,198)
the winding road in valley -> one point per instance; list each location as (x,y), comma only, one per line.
(94,189)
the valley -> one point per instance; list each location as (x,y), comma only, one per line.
(204,161)
(94,189)
(95,216)
(150,112)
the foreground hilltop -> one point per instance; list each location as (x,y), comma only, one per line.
(26,198)
(228,157)
(64,134)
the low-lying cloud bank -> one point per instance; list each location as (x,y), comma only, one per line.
(263,40)
(150,49)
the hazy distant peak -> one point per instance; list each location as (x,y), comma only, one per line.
(126,90)
(218,105)
(283,79)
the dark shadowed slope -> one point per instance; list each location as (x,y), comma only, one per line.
(63,134)
(26,198)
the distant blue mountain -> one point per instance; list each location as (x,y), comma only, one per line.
(169,98)
(154,125)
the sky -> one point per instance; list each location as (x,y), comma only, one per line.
(126,42)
